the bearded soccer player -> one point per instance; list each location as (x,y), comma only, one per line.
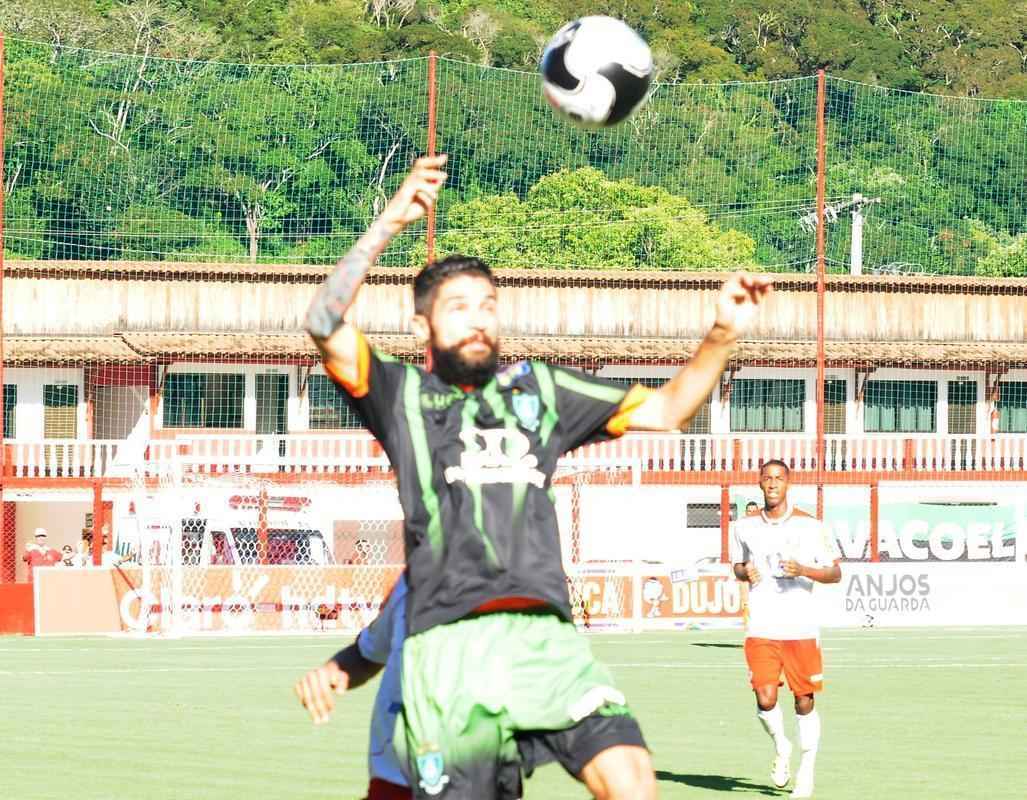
(782,552)
(491,648)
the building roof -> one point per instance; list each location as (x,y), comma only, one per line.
(141,348)
(68,350)
(571,277)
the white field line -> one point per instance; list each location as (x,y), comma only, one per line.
(858,665)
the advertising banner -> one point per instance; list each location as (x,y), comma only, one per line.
(912,594)
(252,599)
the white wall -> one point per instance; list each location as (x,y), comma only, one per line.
(30,382)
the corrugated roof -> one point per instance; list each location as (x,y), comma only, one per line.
(138,348)
(26,350)
(613,278)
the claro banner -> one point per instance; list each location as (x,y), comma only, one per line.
(908,594)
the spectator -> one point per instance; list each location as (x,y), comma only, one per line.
(752,509)
(39,553)
(68,556)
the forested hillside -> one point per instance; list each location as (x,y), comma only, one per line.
(164,155)
(972,47)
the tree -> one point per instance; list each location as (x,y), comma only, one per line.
(582,219)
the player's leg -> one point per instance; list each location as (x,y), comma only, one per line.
(456,742)
(803,664)
(384,790)
(764,659)
(605,752)
(562,694)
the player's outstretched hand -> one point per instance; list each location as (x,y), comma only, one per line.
(739,299)
(752,573)
(417,194)
(317,689)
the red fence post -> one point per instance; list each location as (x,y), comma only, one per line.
(3,433)
(725,523)
(432,99)
(821,282)
(875,517)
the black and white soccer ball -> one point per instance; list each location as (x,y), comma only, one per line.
(596,71)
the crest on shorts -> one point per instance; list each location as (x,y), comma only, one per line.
(432,771)
(527,408)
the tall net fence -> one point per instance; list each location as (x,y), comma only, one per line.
(166,223)
(139,158)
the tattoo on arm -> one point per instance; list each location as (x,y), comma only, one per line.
(336,294)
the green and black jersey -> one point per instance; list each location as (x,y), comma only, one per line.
(474,471)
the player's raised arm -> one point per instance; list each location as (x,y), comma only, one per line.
(326,318)
(673,405)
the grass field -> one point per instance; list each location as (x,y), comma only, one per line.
(911,714)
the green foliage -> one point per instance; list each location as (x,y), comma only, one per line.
(580,218)
(154,155)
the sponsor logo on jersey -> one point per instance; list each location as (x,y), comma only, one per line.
(496,455)
(437,401)
(507,376)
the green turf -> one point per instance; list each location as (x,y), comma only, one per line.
(907,714)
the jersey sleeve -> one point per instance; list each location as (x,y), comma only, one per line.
(738,549)
(826,550)
(375,642)
(373,395)
(592,409)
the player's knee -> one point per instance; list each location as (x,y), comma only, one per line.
(621,773)
(803,704)
(766,697)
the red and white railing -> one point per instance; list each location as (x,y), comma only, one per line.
(358,451)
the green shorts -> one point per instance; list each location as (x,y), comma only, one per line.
(471,686)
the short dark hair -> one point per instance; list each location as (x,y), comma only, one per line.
(429,279)
(776,462)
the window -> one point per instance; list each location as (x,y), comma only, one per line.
(10,409)
(700,423)
(963,407)
(60,411)
(204,400)
(1012,407)
(706,515)
(900,406)
(834,405)
(329,408)
(774,404)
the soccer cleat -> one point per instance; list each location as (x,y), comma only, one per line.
(780,770)
(803,783)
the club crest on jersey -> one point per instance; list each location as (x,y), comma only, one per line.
(507,376)
(432,771)
(495,455)
(527,408)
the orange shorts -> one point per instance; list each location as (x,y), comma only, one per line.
(799,659)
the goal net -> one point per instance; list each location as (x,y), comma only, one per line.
(242,554)
(632,561)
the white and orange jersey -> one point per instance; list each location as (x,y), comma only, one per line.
(780,607)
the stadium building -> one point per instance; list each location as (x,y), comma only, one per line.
(925,388)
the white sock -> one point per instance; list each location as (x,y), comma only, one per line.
(809,738)
(774,724)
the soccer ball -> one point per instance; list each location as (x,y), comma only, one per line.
(596,71)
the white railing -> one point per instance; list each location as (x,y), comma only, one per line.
(653,452)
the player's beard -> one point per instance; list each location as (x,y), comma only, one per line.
(453,368)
